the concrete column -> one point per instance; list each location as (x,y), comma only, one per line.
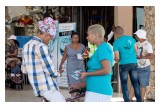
(123,16)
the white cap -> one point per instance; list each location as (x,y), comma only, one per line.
(12,37)
(141,34)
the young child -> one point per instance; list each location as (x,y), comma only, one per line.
(15,71)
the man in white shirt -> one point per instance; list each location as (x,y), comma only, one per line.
(144,55)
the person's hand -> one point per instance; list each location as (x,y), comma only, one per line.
(85,56)
(83,75)
(140,57)
(60,72)
(86,53)
(60,68)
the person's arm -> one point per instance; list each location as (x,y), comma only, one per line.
(116,56)
(105,70)
(116,51)
(148,56)
(110,35)
(63,59)
(149,53)
(136,49)
(47,62)
(78,86)
(14,54)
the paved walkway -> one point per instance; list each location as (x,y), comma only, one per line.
(26,95)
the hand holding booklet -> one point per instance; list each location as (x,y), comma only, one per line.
(76,74)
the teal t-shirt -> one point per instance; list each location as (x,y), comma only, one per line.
(125,46)
(100,83)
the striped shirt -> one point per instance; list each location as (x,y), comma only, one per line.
(37,64)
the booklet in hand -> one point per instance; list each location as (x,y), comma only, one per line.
(76,74)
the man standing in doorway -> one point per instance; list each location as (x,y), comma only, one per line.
(144,55)
(125,53)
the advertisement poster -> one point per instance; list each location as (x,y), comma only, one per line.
(53,46)
(65,31)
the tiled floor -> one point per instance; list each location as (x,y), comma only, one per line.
(26,95)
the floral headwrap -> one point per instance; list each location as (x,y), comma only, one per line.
(48,26)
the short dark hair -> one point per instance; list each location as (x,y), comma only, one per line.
(74,33)
(16,42)
(119,30)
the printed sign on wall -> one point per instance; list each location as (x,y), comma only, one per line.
(65,31)
(53,46)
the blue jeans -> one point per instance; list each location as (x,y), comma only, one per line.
(130,69)
(144,76)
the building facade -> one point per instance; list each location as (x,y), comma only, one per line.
(23,21)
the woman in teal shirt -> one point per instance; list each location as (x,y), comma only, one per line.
(98,75)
